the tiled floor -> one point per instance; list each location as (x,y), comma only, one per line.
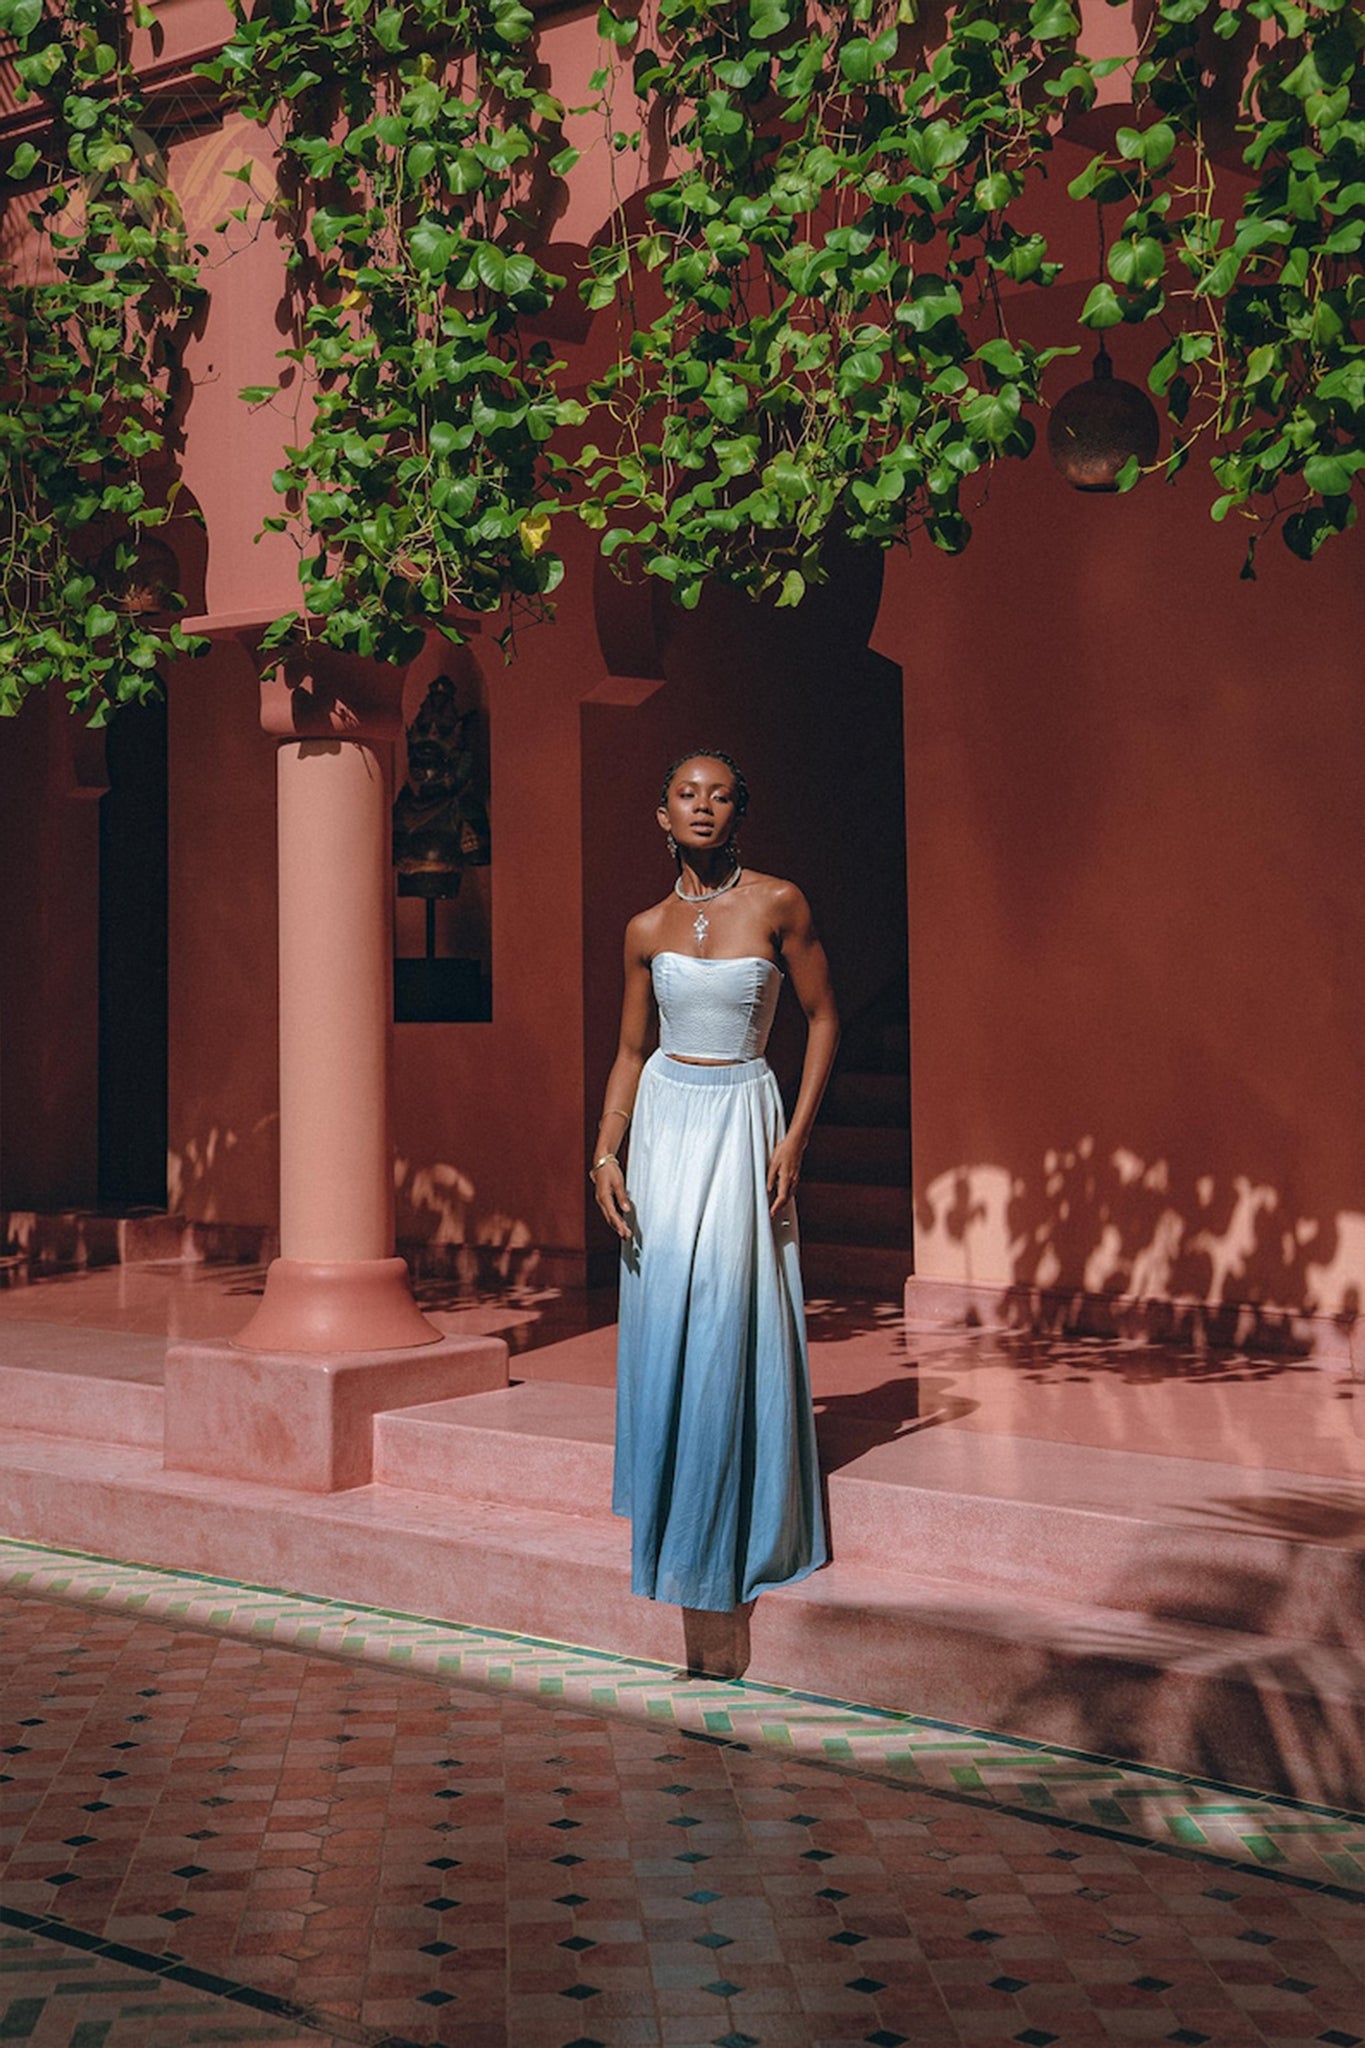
(210,1836)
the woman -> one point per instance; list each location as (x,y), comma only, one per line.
(715,1442)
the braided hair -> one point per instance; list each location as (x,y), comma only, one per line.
(709,754)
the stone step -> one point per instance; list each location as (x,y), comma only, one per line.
(838,1212)
(1274,1710)
(1208,1543)
(57,1380)
(872,1154)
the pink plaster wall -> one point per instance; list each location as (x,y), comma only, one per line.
(488,1117)
(1136,923)
(223,1138)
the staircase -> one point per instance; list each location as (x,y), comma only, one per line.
(1207,1616)
(855,1183)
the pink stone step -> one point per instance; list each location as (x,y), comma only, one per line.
(542,1445)
(64,1381)
(1210,1543)
(1252,1708)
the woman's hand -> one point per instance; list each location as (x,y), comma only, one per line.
(609,1185)
(784,1171)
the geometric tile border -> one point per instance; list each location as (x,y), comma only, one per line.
(1282,1840)
(107,1985)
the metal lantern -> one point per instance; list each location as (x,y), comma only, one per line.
(1095,427)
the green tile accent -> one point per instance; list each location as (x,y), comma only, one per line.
(1137,1801)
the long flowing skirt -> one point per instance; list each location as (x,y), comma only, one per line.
(715,1440)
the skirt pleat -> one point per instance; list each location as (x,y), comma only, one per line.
(715,1440)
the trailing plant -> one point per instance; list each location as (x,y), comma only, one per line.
(808,355)
(1258,286)
(419,154)
(813,304)
(89,338)
(800,304)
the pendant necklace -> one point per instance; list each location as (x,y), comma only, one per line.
(701,923)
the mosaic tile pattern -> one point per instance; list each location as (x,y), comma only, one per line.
(53,1995)
(217,1839)
(1125,1802)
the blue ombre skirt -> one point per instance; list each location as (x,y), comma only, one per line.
(715,1440)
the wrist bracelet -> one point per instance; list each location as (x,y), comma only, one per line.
(597,1163)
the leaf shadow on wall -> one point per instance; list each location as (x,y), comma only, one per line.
(1178,1252)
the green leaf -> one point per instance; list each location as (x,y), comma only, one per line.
(1331,475)
(491,266)
(860,58)
(992,415)
(388,29)
(768,18)
(995,192)
(1052,21)
(793,589)
(1137,262)
(23,161)
(931,300)
(431,246)
(1102,308)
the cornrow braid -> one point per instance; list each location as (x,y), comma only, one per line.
(709,754)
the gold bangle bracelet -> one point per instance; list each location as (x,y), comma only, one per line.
(598,1163)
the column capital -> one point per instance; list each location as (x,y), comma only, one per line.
(317,692)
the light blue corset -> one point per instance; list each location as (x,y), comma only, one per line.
(715,1009)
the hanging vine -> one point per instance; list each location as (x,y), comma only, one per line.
(812,307)
(1257,285)
(89,337)
(419,154)
(811,362)
(806,360)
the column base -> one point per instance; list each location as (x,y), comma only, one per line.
(303,1419)
(337,1306)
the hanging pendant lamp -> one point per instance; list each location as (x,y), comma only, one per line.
(1097,426)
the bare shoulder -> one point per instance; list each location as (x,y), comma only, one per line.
(784,906)
(645,931)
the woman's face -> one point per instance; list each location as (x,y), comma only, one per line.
(700,810)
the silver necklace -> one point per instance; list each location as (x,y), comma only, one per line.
(701,923)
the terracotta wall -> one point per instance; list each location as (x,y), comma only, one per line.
(1137,929)
(223,1144)
(51,778)
(488,1117)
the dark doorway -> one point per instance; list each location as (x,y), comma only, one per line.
(133,962)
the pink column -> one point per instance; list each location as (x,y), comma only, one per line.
(337,1337)
(336,1285)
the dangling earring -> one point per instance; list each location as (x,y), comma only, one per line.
(672,845)
(735,853)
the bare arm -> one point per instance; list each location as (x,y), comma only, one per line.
(808,971)
(619,1101)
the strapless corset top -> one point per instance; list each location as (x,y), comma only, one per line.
(715,1009)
